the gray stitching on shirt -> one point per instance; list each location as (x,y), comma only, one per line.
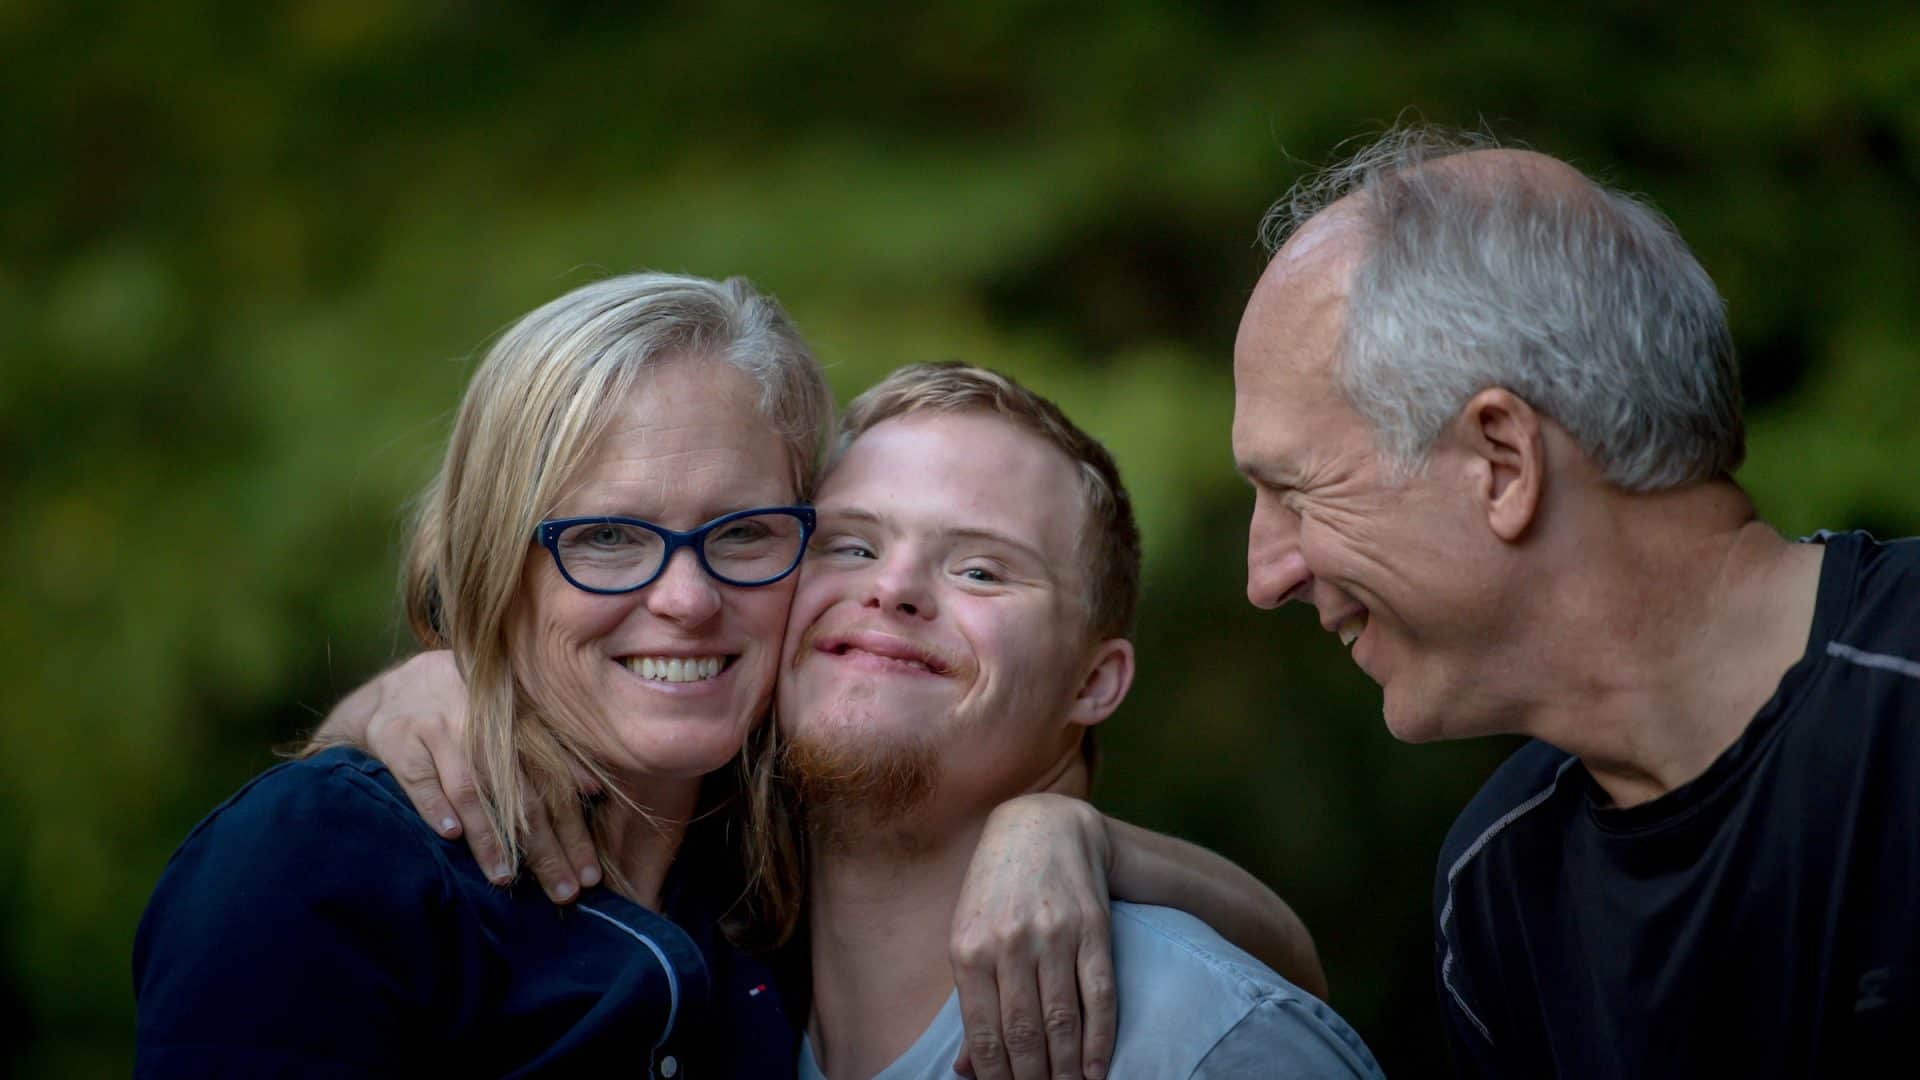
(1446,910)
(1879,661)
(673,979)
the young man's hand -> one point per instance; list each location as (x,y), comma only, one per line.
(413,717)
(1033,944)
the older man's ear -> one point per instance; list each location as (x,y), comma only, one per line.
(1506,446)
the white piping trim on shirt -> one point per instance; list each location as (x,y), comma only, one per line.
(1446,910)
(1899,665)
(673,980)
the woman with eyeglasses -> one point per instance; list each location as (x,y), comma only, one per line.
(315,925)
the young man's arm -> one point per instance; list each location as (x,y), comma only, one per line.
(413,717)
(1036,898)
(1152,868)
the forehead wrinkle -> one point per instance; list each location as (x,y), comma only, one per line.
(667,467)
(633,474)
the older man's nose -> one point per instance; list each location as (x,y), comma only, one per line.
(1276,570)
(1273,579)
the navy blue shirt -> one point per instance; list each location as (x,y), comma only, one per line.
(314,926)
(1760,920)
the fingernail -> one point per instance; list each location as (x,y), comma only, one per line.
(501,874)
(447,824)
(589,876)
(1096,1070)
(562,891)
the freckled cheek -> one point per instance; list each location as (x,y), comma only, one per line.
(1003,672)
(818,591)
(760,617)
(555,660)
(585,620)
(553,621)
(810,597)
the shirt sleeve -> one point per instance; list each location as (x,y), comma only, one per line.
(1290,1037)
(300,932)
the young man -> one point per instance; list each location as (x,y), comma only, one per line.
(960,628)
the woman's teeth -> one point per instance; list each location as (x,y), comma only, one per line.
(675,669)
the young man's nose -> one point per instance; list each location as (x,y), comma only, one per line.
(903,588)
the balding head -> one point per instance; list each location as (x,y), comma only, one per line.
(1456,265)
(1505,167)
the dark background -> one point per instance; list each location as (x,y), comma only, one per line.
(250,250)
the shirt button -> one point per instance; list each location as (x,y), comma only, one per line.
(669,1066)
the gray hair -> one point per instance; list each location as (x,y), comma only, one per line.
(532,415)
(1583,301)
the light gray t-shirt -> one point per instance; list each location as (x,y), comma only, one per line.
(1191,1005)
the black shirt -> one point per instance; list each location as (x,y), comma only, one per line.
(314,926)
(1761,920)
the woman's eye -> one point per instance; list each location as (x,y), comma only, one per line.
(607,536)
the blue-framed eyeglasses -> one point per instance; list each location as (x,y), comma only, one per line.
(618,555)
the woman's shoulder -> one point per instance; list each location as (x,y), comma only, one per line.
(302,920)
(326,826)
(342,785)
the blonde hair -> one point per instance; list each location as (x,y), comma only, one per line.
(532,414)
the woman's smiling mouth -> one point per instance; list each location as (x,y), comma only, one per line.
(677,669)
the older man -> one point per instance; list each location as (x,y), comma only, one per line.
(1490,412)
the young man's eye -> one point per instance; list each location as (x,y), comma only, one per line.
(845,546)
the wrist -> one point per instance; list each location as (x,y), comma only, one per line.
(1092,828)
(1097,830)
(348,722)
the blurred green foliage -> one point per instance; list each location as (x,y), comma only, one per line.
(250,251)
